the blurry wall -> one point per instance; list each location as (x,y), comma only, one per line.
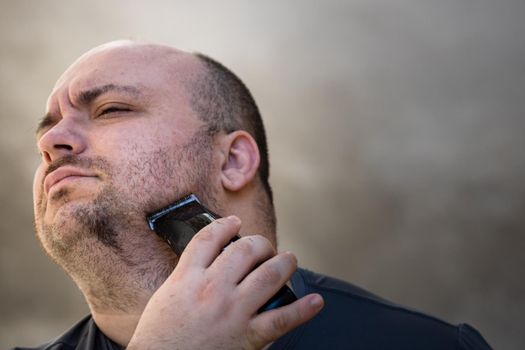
(395,129)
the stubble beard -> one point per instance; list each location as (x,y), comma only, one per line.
(105,245)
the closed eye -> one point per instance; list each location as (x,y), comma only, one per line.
(113,109)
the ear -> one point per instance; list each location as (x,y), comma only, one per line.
(241,162)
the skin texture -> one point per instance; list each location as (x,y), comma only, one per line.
(119,140)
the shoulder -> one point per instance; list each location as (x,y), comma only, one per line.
(358,318)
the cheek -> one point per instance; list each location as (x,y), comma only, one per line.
(155,167)
(38,188)
(150,175)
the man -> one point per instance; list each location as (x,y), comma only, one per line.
(130,128)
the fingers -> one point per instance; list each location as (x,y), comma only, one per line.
(240,257)
(209,242)
(266,280)
(271,325)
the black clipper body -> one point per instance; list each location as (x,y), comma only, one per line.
(177,223)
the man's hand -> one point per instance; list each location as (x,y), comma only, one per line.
(210,301)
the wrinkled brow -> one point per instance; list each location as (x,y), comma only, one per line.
(88,96)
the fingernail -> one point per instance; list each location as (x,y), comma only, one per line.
(233,218)
(316,301)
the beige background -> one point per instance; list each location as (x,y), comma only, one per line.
(396,136)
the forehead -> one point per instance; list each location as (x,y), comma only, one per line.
(153,70)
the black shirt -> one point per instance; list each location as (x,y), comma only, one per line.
(351,319)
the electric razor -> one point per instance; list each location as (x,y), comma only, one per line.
(177,223)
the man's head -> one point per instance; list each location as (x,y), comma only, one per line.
(130,128)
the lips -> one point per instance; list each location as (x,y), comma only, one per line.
(63,173)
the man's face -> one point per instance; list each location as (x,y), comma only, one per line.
(119,140)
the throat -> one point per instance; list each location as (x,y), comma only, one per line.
(117,326)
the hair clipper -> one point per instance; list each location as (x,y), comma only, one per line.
(177,223)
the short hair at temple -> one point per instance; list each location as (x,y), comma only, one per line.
(224,103)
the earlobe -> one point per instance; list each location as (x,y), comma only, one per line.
(242,161)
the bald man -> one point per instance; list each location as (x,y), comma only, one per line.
(132,127)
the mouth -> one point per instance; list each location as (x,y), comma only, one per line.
(62,175)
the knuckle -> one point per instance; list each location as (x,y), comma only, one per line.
(279,324)
(212,231)
(264,241)
(257,336)
(204,235)
(245,246)
(268,275)
(268,246)
(208,290)
(267,331)
(260,244)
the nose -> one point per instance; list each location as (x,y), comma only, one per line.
(62,139)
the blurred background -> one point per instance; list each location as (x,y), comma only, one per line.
(396,133)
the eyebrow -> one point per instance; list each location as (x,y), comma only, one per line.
(86,97)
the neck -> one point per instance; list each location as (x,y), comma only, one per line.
(118,326)
(117,295)
(255,211)
(117,312)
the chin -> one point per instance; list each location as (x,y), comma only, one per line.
(63,219)
(64,208)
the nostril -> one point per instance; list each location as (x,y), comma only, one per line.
(64,147)
(46,156)
(58,150)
